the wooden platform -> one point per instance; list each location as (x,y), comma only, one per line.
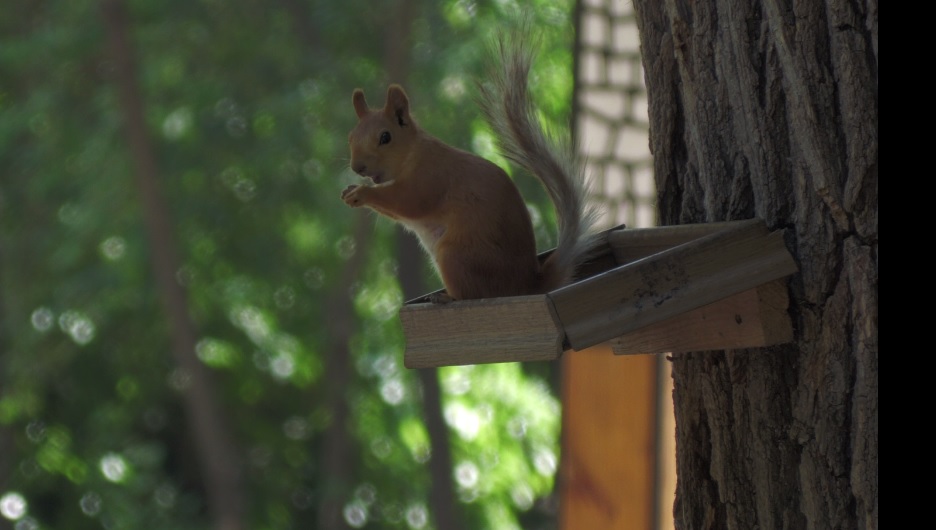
(679,288)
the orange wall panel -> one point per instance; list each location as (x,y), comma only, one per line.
(608,446)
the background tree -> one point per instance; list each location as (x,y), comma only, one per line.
(247,107)
(769,109)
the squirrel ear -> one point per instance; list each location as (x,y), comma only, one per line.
(360,105)
(397,105)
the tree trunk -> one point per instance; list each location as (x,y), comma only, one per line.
(768,109)
(7,443)
(217,452)
(337,448)
(442,503)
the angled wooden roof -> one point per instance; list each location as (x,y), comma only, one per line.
(678,288)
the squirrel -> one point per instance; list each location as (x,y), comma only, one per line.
(466,211)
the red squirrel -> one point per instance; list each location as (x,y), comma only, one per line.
(465,210)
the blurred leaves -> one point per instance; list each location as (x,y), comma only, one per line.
(250,123)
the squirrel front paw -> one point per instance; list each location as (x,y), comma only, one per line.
(352,196)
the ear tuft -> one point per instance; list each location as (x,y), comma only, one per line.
(360,104)
(397,105)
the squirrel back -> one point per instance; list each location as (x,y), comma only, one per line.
(467,213)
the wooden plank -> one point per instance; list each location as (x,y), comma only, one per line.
(601,260)
(609,445)
(634,244)
(521,328)
(671,282)
(754,318)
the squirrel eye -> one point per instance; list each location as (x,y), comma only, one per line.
(384,138)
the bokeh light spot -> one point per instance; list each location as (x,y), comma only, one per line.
(165,496)
(215,353)
(78,326)
(13,505)
(90,504)
(381,447)
(416,516)
(392,391)
(422,454)
(42,319)
(177,123)
(345,246)
(522,496)
(366,493)
(128,388)
(314,278)
(114,467)
(282,366)
(180,379)
(457,380)
(26,523)
(544,461)
(113,248)
(35,431)
(236,126)
(72,214)
(284,297)
(465,421)
(466,474)
(355,514)
(297,428)
(517,427)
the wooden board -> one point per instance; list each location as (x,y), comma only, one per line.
(676,288)
(754,318)
(609,444)
(669,283)
(521,328)
(634,244)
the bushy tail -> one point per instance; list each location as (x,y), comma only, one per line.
(505,101)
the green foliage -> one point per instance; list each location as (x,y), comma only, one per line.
(249,114)
(506,427)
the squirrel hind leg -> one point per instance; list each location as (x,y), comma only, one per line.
(458,274)
(468,277)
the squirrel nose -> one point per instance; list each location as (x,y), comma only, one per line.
(360,169)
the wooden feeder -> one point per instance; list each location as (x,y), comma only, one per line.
(694,287)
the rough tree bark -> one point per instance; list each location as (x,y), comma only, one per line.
(217,452)
(768,108)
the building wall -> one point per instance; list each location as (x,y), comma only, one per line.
(618,429)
